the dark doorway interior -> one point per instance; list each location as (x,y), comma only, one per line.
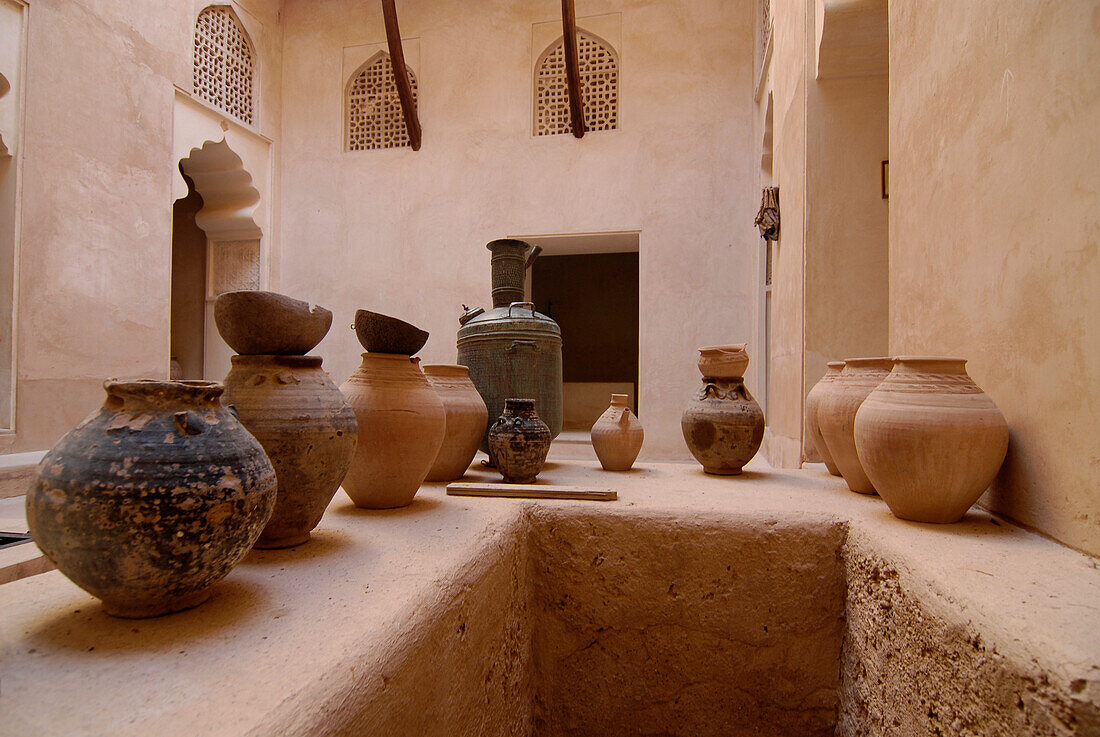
(188,286)
(594,298)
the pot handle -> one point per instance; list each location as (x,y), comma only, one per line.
(523,305)
(518,342)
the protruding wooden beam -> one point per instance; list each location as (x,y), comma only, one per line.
(572,67)
(401,74)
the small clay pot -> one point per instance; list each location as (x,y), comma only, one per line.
(836,416)
(466,420)
(930,439)
(724,361)
(813,402)
(401,426)
(307,430)
(153,498)
(723,426)
(617,435)
(265,323)
(519,441)
(380,333)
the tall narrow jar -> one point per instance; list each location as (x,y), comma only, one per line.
(401,426)
(837,416)
(617,435)
(930,439)
(466,420)
(307,430)
(813,403)
(153,498)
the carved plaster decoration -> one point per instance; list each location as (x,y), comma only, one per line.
(234,266)
(599,67)
(768,217)
(228,197)
(373,108)
(223,62)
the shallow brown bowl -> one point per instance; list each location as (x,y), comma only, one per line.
(266,323)
(380,333)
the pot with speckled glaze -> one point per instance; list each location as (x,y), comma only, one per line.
(153,498)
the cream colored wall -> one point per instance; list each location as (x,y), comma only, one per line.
(788,81)
(95,248)
(995,221)
(404,232)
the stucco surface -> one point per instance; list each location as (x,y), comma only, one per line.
(994,230)
(512,617)
(404,232)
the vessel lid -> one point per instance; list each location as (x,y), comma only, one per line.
(517,317)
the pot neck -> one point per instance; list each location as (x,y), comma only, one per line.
(931,364)
(273,361)
(151,394)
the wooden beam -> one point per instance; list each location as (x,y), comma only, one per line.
(572,67)
(401,73)
(530,491)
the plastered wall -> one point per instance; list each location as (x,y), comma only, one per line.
(94,269)
(404,232)
(994,229)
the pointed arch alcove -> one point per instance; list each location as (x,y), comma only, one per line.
(372,107)
(599,72)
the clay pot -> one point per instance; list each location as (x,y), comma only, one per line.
(930,439)
(813,403)
(153,498)
(379,333)
(723,426)
(401,427)
(724,361)
(519,441)
(617,435)
(466,420)
(307,430)
(836,416)
(266,323)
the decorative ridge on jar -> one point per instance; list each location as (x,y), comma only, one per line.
(917,373)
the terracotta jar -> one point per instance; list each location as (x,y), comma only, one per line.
(836,416)
(617,435)
(930,439)
(813,402)
(153,498)
(466,420)
(401,426)
(519,441)
(723,426)
(307,430)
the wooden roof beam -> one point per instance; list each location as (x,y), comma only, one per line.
(572,67)
(401,74)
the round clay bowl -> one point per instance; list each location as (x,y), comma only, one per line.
(257,323)
(380,333)
(723,361)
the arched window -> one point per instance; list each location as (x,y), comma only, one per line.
(599,71)
(374,118)
(223,62)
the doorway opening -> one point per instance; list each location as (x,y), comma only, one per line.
(215,249)
(588,283)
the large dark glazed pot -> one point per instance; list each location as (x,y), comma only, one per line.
(307,430)
(152,498)
(519,440)
(723,426)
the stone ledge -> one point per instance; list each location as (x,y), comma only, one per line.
(17,471)
(435,619)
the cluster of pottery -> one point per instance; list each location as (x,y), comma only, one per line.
(914,429)
(723,426)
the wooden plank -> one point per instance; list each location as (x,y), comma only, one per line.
(401,74)
(529,491)
(572,67)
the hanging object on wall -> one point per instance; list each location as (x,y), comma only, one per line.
(768,217)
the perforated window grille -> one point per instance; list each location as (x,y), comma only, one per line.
(223,63)
(374,117)
(599,71)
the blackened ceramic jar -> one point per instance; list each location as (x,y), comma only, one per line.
(519,441)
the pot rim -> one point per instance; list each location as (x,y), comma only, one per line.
(869,362)
(167,390)
(729,348)
(445,369)
(275,359)
(938,359)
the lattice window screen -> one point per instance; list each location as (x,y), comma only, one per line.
(599,70)
(374,118)
(223,63)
